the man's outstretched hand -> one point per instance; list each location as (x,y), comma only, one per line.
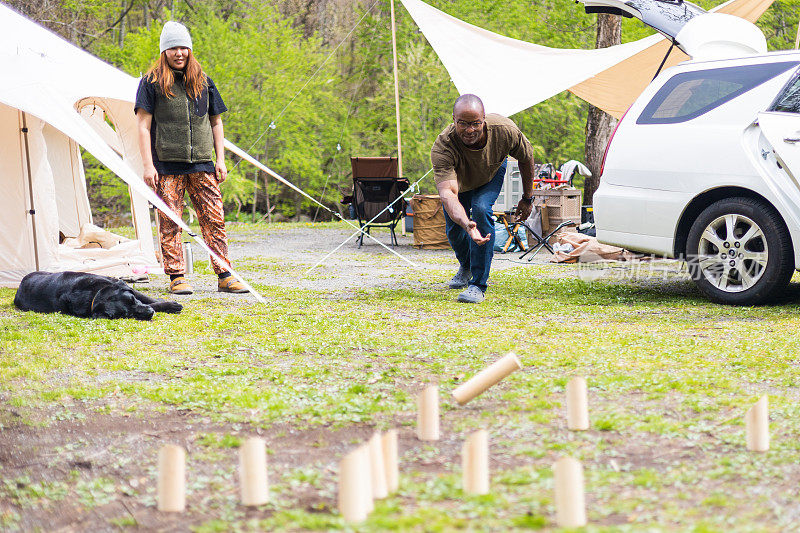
(523,211)
(475,235)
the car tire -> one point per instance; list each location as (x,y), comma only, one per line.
(739,252)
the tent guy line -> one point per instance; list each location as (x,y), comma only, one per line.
(106,154)
(250,159)
(338,146)
(314,75)
(411,188)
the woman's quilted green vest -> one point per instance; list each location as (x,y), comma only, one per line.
(183,128)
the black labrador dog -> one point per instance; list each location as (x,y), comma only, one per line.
(87,296)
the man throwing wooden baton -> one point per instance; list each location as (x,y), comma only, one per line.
(469,164)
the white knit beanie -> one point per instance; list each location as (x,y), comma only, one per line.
(175,34)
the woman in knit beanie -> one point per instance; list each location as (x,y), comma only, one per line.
(179,112)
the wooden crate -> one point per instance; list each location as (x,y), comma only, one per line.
(562,204)
(565,205)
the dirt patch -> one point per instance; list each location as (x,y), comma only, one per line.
(96,471)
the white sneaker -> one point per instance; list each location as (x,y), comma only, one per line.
(473,295)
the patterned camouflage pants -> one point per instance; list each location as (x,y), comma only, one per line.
(206,198)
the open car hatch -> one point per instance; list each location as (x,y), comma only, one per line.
(664,16)
(701,34)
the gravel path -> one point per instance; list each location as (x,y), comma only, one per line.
(281,256)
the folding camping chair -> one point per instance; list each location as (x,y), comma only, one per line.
(542,242)
(507,219)
(375,186)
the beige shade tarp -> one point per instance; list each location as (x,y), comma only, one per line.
(511,75)
(615,89)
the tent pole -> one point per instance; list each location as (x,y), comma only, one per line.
(32,210)
(797,39)
(397,104)
(255,197)
(266,183)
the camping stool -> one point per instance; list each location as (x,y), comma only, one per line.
(512,227)
(543,241)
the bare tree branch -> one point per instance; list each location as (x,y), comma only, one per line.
(122,16)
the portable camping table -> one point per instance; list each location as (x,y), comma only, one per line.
(506,217)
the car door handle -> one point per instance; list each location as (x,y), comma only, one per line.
(791,140)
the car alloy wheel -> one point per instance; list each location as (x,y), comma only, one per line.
(732,253)
(739,252)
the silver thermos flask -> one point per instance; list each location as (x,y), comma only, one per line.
(188,257)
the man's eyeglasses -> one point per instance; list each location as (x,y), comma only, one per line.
(465,124)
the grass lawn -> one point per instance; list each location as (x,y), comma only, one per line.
(86,404)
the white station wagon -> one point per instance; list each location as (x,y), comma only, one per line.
(705,165)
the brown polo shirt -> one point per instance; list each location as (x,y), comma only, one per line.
(452,160)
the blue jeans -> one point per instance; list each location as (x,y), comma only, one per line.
(478,205)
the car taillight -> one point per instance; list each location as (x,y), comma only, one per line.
(603,163)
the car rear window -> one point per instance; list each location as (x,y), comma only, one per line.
(691,94)
(789,99)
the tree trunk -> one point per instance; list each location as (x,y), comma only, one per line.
(125,9)
(600,124)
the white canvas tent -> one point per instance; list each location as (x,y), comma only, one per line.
(54,97)
(512,75)
(62,96)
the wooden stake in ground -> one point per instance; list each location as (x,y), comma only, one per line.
(487,377)
(475,463)
(428,413)
(577,407)
(757,426)
(390,463)
(354,487)
(369,501)
(253,472)
(377,469)
(172,479)
(570,500)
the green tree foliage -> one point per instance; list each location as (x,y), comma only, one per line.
(329,92)
(259,61)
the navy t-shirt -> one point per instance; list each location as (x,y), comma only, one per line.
(146,96)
